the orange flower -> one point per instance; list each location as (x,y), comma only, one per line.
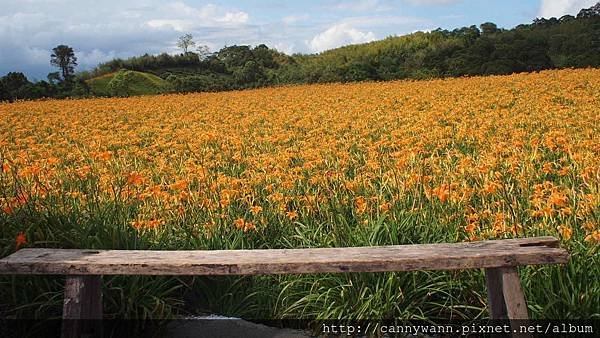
(179,185)
(291,215)
(249,227)
(361,204)
(52,160)
(137,224)
(558,199)
(20,240)
(385,207)
(564,171)
(101,155)
(442,192)
(565,231)
(8,209)
(593,237)
(490,188)
(151,224)
(154,223)
(255,209)
(224,202)
(135,178)
(239,223)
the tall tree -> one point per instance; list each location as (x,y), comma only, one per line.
(185,42)
(64,58)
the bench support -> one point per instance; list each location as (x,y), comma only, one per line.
(505,295)
(82,307)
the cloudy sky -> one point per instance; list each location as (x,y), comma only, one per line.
(102,30)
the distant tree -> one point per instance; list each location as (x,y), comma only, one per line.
(489,28)
(64,58)
(119,84)
(203,52)
(80,88)
(235,56)
(545,22)
(12,85)
(264,56)
(591,12)
(53,77)
(566,18)
(4,94)
(185,42)
(250,74)
(15,80)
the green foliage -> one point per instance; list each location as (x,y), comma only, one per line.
(15,86)
(119,84)
(127,83)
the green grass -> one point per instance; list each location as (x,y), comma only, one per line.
(570,291)
(141,84)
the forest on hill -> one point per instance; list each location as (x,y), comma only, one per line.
(566,42)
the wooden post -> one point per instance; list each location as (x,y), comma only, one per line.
(506,299)
(82,307)
(497,307)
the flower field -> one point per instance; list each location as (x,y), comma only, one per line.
(310,166)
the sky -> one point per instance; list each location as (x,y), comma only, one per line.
(102,30)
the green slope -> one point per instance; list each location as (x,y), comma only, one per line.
(138,83)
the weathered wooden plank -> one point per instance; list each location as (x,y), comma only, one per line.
(485,254)
(493,280)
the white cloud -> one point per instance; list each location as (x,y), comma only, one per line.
(181,17)
(287,48)
(384,20)
(339,35)
(234,18)
(361,6)
(293,19)
(93,57)
(178,25)
(558,8)
(432,2)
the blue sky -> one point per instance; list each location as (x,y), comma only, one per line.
(102,30)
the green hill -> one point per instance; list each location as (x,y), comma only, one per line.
(137,83)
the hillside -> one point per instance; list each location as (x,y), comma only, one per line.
(566,42)
(138,83)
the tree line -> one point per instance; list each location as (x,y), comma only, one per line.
(569,41)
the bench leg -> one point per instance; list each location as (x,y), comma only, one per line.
(506,299)
(82,307)
(497,307)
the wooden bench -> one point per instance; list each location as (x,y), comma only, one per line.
(84,268)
